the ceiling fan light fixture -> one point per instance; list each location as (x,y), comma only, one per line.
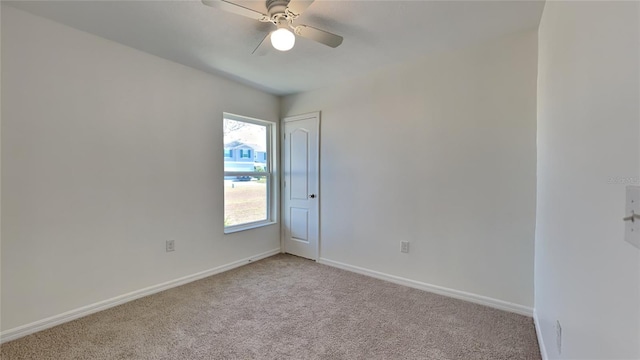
(283,39)
(280,13)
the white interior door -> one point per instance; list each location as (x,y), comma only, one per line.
(300,218)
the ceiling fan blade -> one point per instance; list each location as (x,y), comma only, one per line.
(299,6)
(236,9)
(318,35)
(263,48)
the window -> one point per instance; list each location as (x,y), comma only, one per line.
(228,153)
(249,185)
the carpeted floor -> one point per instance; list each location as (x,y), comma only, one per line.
(285,307)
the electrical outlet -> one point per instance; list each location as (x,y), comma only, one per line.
(171,245)
(559,336)
(632,209)
(404,247)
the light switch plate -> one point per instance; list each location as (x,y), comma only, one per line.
(632,228)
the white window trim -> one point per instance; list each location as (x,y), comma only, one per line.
(273,195)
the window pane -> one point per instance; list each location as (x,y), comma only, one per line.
(241,141)
(247,158)
(245,201)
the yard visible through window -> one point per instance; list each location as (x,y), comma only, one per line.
(247,172)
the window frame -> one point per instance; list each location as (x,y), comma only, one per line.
(271,164)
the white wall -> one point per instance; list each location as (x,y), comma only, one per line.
(0,166)
(440,152)
(107,152)
(586,276)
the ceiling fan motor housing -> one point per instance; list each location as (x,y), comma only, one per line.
(276,7)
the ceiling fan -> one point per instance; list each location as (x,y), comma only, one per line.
(281,13)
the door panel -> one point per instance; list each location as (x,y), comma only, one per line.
(299,152)
(300,224)
(300,185)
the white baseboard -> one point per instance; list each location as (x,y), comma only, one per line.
(543,349)
(52,321)
(457,294)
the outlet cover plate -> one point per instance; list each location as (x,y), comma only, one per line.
(632,228)
(171,245)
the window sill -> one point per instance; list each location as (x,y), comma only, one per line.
(238,228)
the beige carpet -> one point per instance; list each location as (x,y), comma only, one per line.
(286,307)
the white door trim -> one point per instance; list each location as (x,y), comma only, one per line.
(318,190)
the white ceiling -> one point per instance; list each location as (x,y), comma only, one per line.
(376,33)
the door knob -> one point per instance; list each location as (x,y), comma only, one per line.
(312,196)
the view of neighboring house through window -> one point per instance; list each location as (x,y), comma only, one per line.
(247,172)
